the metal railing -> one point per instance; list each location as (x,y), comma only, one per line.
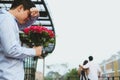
(110,78)
(101,78)
(30,65)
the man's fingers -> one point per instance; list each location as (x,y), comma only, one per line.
(34,12)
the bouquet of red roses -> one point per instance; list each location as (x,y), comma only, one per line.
(37,36)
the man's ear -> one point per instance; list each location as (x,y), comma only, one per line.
(20,7)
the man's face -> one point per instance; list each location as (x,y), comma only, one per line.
(23,16)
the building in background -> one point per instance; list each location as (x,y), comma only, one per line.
(111,66)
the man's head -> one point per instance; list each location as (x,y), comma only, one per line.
(90,58)
(21,10)
(27,4)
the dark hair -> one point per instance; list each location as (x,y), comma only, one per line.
(27,4)
(90,58)
(85,62)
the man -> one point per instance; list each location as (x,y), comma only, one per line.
(21,14)
(94,69)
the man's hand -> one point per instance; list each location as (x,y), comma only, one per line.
(38,50)
(80,66)
(34,12)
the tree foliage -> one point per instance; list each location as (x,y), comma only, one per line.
(72,75)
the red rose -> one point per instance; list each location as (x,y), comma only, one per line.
(26,30)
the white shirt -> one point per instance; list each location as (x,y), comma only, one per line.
(93,70)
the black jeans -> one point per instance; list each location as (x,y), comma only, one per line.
(83,75)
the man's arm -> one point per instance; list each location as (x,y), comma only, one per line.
(85,67)
(10,41)
(34,14)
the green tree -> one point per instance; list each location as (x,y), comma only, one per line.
(71,75)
